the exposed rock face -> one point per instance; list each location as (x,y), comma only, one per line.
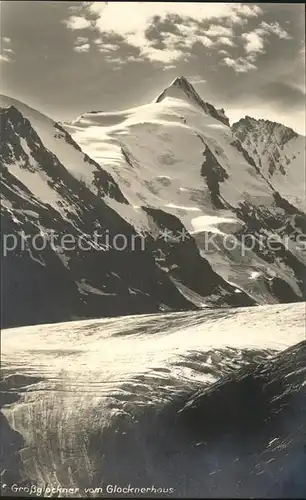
(178,254)
(249,399)
(213,174)
(279,153)
(248,125)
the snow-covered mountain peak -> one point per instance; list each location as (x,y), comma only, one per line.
(182,89)
(182,83)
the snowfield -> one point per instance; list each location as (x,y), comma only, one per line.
(103,403)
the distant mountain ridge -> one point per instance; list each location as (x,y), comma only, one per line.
(279,152)
(173,172)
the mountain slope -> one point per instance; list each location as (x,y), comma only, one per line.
(40,197)
(179,155)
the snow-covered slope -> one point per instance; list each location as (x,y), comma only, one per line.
(179,155)
(134,401)
(55,139)
(51,190)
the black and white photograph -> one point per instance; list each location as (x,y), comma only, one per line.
(153,249)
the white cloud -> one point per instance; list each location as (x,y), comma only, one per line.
(254,42)
(240,65)
(186,37)
(223,40)
(130,20)
(124,17)
(6,51)
(168,67)
(81,40)
(107,47)
(77,23)
(165,56)
(98,41)
(275,29)
(257,39)
(252,57)
(4,58)
(245,12)
(301,55)
(82,48)
(204,40)
(82,44)
(219,31)
(133,59)
(114,59)
(196,79)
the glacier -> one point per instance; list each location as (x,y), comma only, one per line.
(165,401)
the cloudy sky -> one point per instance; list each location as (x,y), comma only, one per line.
(66,58)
